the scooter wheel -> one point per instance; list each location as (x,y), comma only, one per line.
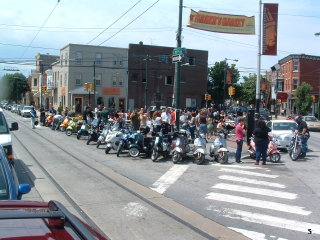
(176,157)
(107,150)
(68,133)
(200,159)
(88,142)
(275,158)
(62,129)
(154,156)
(223,157)
(98,144)
(78,136)
(119,150)
(134,152)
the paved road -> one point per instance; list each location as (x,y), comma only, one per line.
(277,201)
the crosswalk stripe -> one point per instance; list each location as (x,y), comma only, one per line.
(252,190)
(170,177)
(238,166)
(255,235)
(248,173)
(257,203)
(268,220)
(251,181)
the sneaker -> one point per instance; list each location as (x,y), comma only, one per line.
(263,163)
(240,162)
(256,163)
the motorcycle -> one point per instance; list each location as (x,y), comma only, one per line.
(199,146)
(126,140)
(180,145)
(295,146)
(218,150)
(83,131)
(273,153)
(141,144)
(162,143)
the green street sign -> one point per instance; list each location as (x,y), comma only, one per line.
(177,51)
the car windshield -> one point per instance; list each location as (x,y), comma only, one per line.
(311,119)
(27,108)
(4,191)
(3,125)
(283,126)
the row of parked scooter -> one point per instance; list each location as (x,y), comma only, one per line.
(155,142)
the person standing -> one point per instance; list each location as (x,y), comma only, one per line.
(261,140)
(42,115)
(33,114)
(240,132)
(303,129)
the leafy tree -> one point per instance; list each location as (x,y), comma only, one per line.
(248,93)
(216,80)
(14,86)
(304,99)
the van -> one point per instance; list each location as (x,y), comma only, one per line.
(5,135)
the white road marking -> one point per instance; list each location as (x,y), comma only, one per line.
(259,191)
(251,181)
(248,173)
(255,235)
(170,177)
(237,166)
(268,220)
(134,209)
(257,203)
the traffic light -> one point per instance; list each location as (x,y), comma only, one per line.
(91,87)
(313,98)
(44,88)
(232,91)
(207,97)
(86,86)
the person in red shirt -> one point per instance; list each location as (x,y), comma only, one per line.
(240,132)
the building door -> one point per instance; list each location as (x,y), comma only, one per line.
(78,104)
(122,104)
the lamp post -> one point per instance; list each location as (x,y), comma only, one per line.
(225,78)
(276,68)
(147,59)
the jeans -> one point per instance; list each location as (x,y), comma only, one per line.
(239,150)
(304,145)
(32,122)
(261,150)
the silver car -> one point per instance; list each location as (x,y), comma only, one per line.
(282,131)
(25,112)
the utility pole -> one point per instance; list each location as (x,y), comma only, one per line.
(94,85)
(40,82)
(146,84)
(258,87)
(178,69)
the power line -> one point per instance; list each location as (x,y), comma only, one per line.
(19,45)
(130,22)
(40,29)
(115,21)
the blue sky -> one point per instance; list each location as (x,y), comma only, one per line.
(79,21)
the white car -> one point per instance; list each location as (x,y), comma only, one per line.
(312,122)
(281,130)
(25,112)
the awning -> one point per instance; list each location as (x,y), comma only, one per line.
(80,90)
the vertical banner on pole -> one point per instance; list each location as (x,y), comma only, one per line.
(270,28)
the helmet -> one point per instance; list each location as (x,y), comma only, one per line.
(298,119)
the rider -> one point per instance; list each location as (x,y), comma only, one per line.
(303,129)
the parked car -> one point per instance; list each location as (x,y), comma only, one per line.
(25,112)
(42,220)
(282,132)
(20,108)
(265,114)
(312,122)
(292,117)
(10,189)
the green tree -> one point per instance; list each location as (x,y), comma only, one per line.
(217,78)
(248,93)
(14,86)
(304,99)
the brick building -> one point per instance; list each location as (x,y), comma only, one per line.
(152,65)
(294,70)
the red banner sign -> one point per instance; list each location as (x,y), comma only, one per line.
(282,96)
(270,28)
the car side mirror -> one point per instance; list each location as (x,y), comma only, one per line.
(14,126)
(23,189)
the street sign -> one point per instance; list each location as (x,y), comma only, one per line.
(177,58)
(177,51)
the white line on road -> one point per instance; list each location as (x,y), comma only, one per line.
(268,220)
(170,177)
(237,166)
(251,181)
(255,235)
(248,173)
(259,191)
(257,203)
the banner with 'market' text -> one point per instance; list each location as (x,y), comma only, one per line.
(223,23)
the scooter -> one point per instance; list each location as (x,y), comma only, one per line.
(126,140)
(273,153)
(108,128)
(180,145)
(113,140)
(218,150)
(49,120)
(199,147)
(142,144)
(94,131)
(162,143)
(63,126)
(72,127)
(83,131)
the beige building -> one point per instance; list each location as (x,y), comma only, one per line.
(80,64)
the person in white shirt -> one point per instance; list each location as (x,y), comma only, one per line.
(166,116)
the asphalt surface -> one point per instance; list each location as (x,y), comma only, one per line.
(276,201)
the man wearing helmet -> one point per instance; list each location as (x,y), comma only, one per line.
(303,129)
